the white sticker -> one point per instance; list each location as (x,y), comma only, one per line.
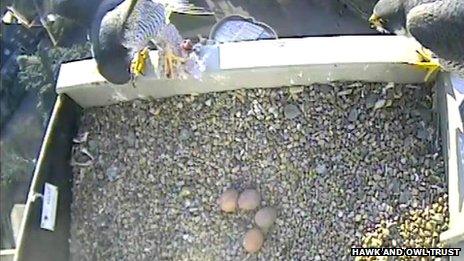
(49,203)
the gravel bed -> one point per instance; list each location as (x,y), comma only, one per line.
(335,160)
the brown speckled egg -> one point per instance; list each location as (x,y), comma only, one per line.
(265,217)
(228,200)
(249,199)
(253,240)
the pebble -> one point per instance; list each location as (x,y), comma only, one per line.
(321,169)
(379,104)
(345,92)
(371,100)
(291,111)
(422,134)
(184,134)
(405,197)
(112,173)
(353,115)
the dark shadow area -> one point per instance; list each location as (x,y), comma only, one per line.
(19,145)
(297,18)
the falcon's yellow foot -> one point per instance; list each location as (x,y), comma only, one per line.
(428,63)
(138,64)
(171,61)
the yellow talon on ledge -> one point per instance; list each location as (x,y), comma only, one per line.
(427,63)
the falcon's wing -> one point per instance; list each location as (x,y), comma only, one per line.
(439,26)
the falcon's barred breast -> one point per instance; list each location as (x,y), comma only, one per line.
(123,28)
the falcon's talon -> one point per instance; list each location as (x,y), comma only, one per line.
(171,61)
(428,63)
(431,68)
(138,64)
(425,55)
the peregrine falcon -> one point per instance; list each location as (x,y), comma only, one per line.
(437,25)
(123,29)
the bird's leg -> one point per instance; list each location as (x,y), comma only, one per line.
(428,63)
(132,81)
(138,64)
(171,61)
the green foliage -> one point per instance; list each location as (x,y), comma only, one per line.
(40,72)
(14,167)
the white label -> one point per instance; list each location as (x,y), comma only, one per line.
(50,200)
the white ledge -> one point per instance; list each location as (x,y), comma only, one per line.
(267,63)
(318,50)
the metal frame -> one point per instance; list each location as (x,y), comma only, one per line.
(449,100)
(53,167)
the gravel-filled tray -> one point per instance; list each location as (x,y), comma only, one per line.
(344,164)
